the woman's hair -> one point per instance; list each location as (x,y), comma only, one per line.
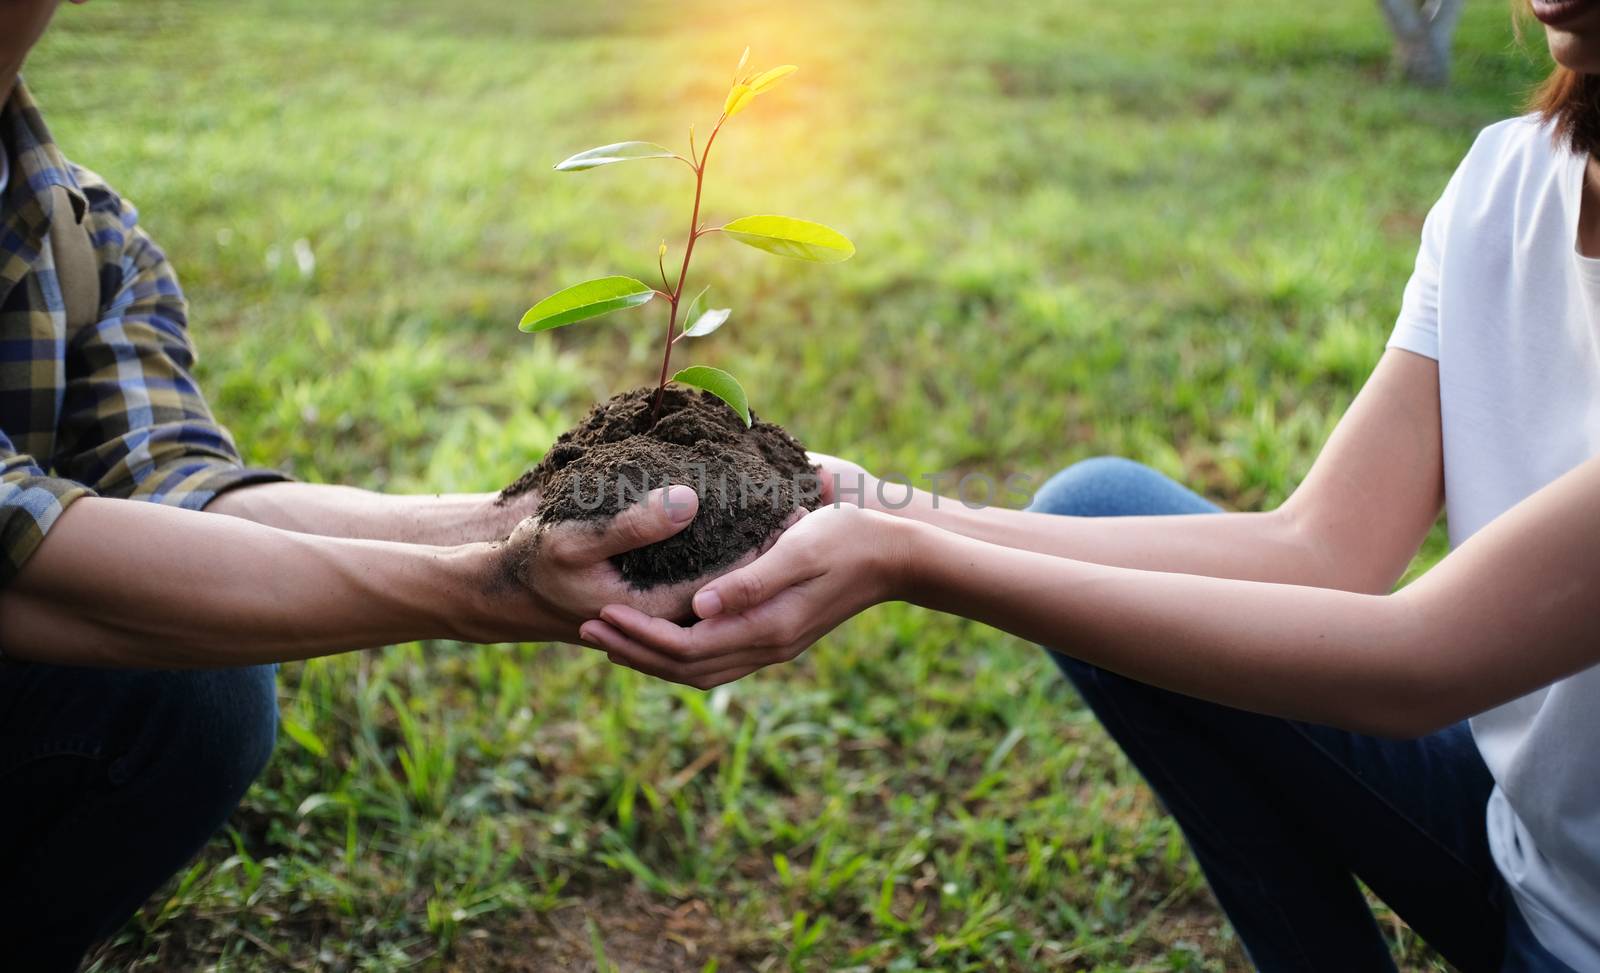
(1568,102)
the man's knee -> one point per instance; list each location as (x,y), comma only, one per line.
(253,729)
(1110,486)
(242,711)
(210,734)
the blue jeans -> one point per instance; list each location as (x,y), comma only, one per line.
(1284,816)
(110,781)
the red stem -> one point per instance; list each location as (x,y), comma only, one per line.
(683,273)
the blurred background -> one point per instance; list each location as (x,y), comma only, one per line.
(1176,232)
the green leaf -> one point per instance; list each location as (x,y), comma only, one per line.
(708,322)
(789,237)
(317,802)
(606,155)
(303,736)
(694,305)
(589,299)
(698,323)
(718,383)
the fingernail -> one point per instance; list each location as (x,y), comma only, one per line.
(680,502)
(707,603)
(587,634)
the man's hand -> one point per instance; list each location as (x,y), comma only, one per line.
(832,564)
(562,572)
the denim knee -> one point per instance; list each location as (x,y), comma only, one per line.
(132,771)
(1123,704)
(243,711)
(209,735)
(1110,486)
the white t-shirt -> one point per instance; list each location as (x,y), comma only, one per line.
(1511,311)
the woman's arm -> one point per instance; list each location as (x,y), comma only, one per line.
(1510,610)
(1354,524)
(127,583)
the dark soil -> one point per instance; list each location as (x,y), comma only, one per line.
(750,481)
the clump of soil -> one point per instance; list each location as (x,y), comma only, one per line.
(750,481)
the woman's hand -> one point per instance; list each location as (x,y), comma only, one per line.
(844,482)
(832,564)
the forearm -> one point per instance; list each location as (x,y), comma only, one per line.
(1246,546)
(1510,610)
(1315,654)
(121,583)
(1355,523)
(341,511)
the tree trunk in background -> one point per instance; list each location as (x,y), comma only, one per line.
(1423,30)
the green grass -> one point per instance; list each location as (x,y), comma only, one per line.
(1176,232)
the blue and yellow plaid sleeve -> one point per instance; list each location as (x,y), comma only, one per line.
(30,504)
(104,406)
(133,421)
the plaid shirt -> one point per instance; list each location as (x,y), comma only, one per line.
(112,408)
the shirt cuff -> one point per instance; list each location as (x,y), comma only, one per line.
(30,505)
(1418,339)
(191,484)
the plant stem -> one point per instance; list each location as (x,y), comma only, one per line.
(683,272)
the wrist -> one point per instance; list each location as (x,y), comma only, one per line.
(896,498)
(903,556)
(494,521)
(902,501)
(488,598)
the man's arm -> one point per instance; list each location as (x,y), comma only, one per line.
(341,511)
(117,583)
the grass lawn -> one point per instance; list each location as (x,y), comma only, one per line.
(1177,232)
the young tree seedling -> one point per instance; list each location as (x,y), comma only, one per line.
(781,235)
